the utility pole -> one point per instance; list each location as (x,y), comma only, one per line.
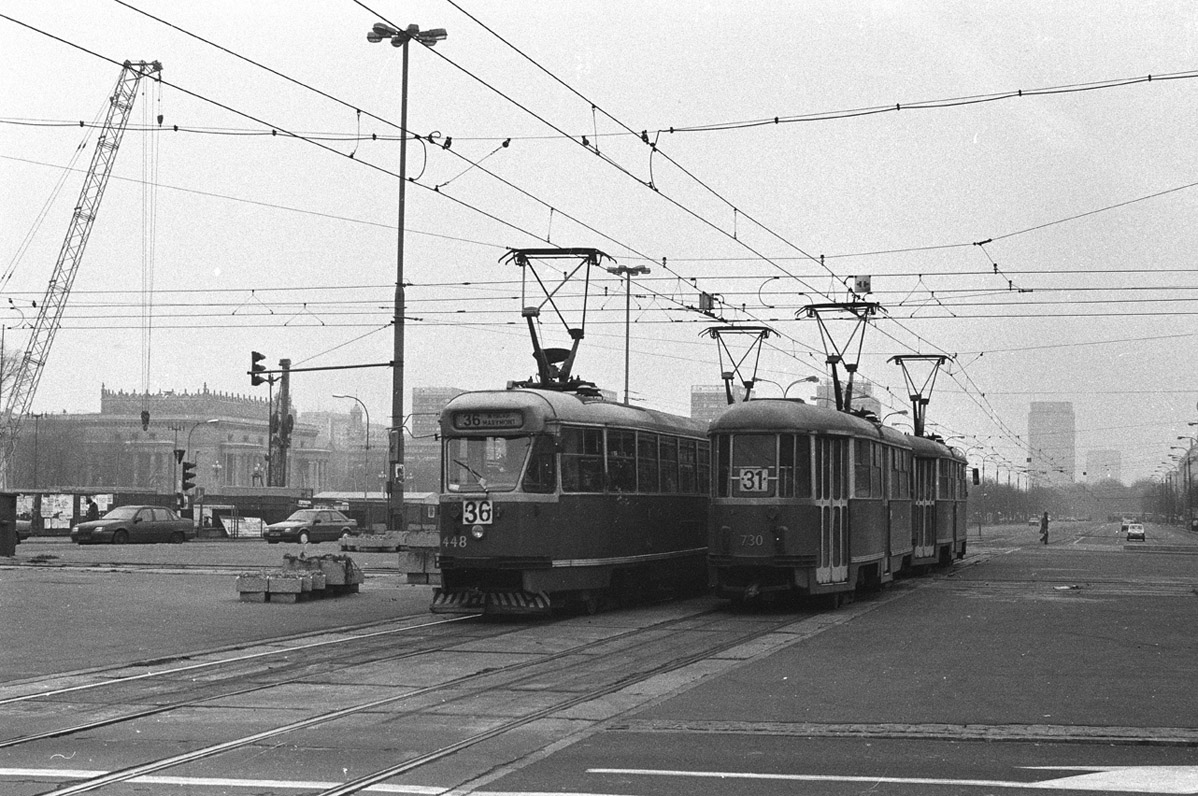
(281,423)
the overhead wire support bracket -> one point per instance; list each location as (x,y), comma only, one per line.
(717,333)
(862,311)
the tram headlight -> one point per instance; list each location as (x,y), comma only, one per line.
(478,531)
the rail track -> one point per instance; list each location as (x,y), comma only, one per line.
(503,686)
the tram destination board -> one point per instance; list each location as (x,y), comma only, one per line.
(488,420)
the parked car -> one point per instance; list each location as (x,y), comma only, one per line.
(1135,532)
(310,525)
(135,524)
(24,529)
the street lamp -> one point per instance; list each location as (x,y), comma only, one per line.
(805,380)
(400,39)
(890,414)
(212,421)
(627,272)
(365,458)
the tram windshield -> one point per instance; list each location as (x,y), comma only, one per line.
(488,464)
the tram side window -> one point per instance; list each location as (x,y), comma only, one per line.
(646,462)
(900,474)
(582,460)
(704,472)
(621,460)
(541,474)
(723,449)
(688,462)
(668,450)
(946,480)
(877,459)
(862,454)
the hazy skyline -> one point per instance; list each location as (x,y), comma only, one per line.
(1082,289)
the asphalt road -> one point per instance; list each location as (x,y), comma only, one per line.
(72,608)
(1027,668)
(1068,667)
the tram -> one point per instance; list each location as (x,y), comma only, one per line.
(814,501)
(552,498)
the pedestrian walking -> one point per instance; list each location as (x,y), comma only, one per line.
(1044,528)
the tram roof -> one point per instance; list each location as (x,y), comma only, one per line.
(572,408)
(781,414)
(925,446)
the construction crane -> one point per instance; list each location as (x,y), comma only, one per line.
(49,314)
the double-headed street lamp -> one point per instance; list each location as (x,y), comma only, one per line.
(400,39)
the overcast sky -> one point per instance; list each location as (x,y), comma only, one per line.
(1086,291)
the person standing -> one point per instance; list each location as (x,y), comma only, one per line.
(93,511)
(1044,528)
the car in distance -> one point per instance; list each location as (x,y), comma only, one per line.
(310,525)
(1135,532)
(135,524)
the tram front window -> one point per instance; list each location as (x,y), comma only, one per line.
(491,464)
(754,465)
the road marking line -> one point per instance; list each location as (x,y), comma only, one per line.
(1121,779)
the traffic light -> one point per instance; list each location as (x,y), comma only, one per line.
(189,476)
(257,368)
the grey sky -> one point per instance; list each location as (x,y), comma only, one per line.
(283,246)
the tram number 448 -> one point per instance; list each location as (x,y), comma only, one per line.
(477,512)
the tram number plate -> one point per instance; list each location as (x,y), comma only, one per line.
(477,512)
(754,479)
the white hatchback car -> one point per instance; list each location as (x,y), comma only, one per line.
(1135,531)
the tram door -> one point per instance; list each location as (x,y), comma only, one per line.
(924,503)
(831,496)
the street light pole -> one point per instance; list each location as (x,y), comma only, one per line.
(627,272)
(365,460)
(400,38)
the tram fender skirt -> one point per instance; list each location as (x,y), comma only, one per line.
(518,602)
(458,602)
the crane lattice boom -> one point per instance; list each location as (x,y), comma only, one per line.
(49,315)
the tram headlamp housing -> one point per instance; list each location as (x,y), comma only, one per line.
(478,531)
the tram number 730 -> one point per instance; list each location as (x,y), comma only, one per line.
(754,479)
(477,512)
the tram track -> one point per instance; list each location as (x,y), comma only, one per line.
(100,678)
(583,672)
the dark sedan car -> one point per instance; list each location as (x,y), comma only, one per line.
(129,524)
(310,525)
